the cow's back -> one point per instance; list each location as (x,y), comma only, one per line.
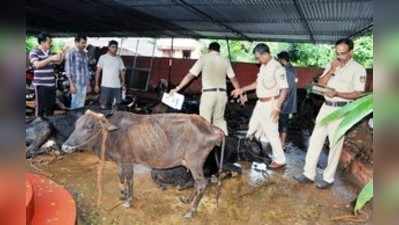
(160,140)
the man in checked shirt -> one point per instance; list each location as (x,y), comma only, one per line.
(77,71)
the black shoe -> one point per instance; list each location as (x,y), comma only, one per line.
(323,184)
(303,179)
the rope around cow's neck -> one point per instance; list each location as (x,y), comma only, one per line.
(90,139)
(100,167)
(103,130)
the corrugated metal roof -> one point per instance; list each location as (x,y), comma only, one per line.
(279,20)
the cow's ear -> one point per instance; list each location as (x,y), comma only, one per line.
(112,127)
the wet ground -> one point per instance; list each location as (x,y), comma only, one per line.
(255,197)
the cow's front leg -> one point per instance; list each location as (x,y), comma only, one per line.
(129,186)
(122,184)
(189,199)
(200,183)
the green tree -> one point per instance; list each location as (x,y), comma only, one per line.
(363,51)
(31,43)
(303,54)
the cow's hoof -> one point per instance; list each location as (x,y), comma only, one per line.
(122,196)
(214,179)
(189,215)
(126,204)
(184,200)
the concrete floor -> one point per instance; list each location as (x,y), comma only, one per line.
(251,198)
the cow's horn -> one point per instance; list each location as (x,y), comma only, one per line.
(99,115)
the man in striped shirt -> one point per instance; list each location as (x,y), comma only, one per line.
(44,79)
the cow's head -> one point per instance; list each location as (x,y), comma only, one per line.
(87,128)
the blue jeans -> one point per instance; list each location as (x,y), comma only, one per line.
(110,95)
(79,98)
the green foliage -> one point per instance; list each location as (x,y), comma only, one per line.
(311,55)
(58,45)
(363,51)
(240,51)
(303,54)
(31,43)
(364,196)
(351,114)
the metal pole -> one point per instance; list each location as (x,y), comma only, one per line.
(153,53)
(170,62)
(136,53)
(228,49)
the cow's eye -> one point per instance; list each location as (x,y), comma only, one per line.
(89,126)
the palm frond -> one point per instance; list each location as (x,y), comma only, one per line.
(340,113)
(353,117)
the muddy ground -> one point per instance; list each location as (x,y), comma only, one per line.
(270,198)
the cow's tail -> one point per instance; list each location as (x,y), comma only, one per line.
(219,185)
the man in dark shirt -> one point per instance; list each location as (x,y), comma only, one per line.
(44,79)
(290,103)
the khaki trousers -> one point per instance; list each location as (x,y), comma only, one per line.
(212,106)
(261,125)
(316,143)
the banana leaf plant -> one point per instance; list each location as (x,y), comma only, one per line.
(351,114)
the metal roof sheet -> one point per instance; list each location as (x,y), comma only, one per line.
(273,20)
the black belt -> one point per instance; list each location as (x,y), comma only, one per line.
(214,89)
(335,104)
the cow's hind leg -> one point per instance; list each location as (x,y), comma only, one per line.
(200,183)
(129,180)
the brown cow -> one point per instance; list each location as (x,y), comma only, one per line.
(159,141)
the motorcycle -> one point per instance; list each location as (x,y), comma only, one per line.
(63,97)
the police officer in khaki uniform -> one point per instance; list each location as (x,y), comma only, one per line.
(271,89)
(214,69)
(348,79)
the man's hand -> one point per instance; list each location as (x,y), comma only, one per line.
(243,99)
(55,58)
(88,88)
(236,92)
(72,88)
(275,115)
(331,93)
(175,90)
(335,64)
(97,89)
(61,55)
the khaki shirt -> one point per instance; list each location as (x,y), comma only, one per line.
(271,78)
(214,69)
(349,78)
